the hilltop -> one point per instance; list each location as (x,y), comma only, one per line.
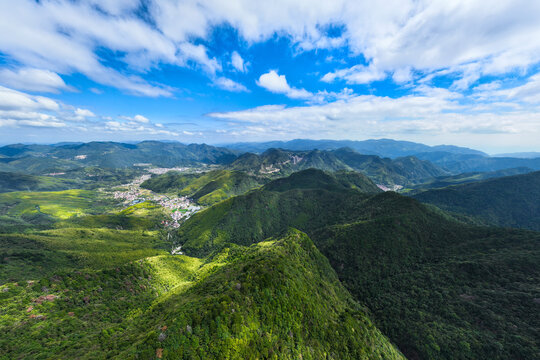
(205,188)
(400,171)
(278,162)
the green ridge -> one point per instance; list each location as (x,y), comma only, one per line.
(438,288)
(510,201)
(205,188)
(279,299)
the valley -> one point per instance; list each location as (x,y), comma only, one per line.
(233,260)
(272,180)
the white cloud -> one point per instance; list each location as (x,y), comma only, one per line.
(402,75)
(403,37)
(132,127)
(230,85)
(84,113)
(19,110)
(198,53)
(13,99)
(32,80)
(276,83)
(237,62)
(116,7)
(358,74)
(63,37)
(528,92)
(141,119)
(431,115)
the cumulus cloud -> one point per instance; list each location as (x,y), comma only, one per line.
(33,80)
(84,113)
(358,74)
(237,62)
(276,83)
(141,119)
(403,37)
(430,114)
(230,85)
(17,100)
(19,110)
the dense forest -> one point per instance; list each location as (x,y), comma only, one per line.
(423,274)
(283,254)
(510,201)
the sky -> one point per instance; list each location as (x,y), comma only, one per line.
(437,72)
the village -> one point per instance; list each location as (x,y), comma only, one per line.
(178,208)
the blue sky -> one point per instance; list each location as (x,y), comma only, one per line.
(216,71)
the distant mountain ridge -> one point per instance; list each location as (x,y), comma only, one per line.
(386,161)
(279,162)
(521,155)
(38,159)
(381,147)
(511,201)
(461,163)
(464,178)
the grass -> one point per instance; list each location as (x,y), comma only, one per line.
(30,256)
(45,232)
(58,204)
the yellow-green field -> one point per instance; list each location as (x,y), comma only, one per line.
(59,204)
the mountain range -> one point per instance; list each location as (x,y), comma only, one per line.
(382,147)
(422,273)
(168,251)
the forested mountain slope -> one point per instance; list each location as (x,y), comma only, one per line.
(279,299)
(205,188)
(400,171)
(511,201)
(438,288)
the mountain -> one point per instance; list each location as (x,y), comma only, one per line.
(278,162)
(17,150)
(522,155)
(400,171)
(37,165)
(276,299)
(22,182)
(381,147)
(205,188)
(440,289)
(444,181)
(305,200)
(510,201)
(317,179)
(38,159)
(462,163)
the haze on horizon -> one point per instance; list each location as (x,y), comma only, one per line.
(464,73)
